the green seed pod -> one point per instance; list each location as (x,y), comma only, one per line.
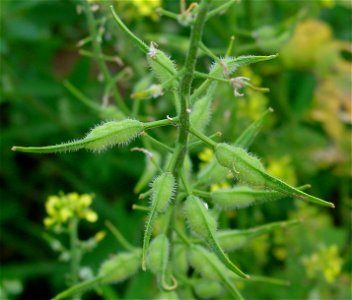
(162,67)
(98,139)
(212,172)
(201,110)
(163,188)
(113,133)
(231,240)
(119,267)
(243,196)
(202,223)
(179,259)
(206,289)
(167,296)
(210,267)
(249,169)
(157,260)
(242,164)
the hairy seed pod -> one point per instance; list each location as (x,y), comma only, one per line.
(243,196)
(210,267)
(157,260)
(202,223)
(163,188)
(242,164)
(201,111)
(163,68)
(167,296)
(206,289)
(98,139)
(113,133)
(119,267)
(231,240)
(249,169)
(212,172)
(179,259)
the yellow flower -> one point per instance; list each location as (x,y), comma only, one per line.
(99,235)
(326,261)
(206,155)
(91,216)
(132,9)
(283,169)
(61,209)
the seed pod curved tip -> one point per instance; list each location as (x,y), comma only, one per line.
(166,286)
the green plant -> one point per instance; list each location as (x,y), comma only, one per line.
(176,180)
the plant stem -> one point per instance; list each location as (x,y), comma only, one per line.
(118,235)
(185,86)
(202,137)
(75,252)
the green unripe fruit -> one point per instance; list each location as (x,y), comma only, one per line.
(231,240)
(163,188)
(158,254)
(119,267)
(249,169)
(112,133)
(200,221)
(157,260)
(243,196)
(206,289)
(98,139)
(162,67)
(179,259)
(242,164)
(210,267)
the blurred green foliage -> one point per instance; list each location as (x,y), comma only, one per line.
(308,139)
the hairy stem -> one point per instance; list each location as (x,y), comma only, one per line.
(185,86)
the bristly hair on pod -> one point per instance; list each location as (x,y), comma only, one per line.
(109,134)
(163,189)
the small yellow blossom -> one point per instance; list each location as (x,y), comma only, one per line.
(133,9)
(206,155)
(99,235)
(326,262)
(283,169)
(61,209)
(220,185)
